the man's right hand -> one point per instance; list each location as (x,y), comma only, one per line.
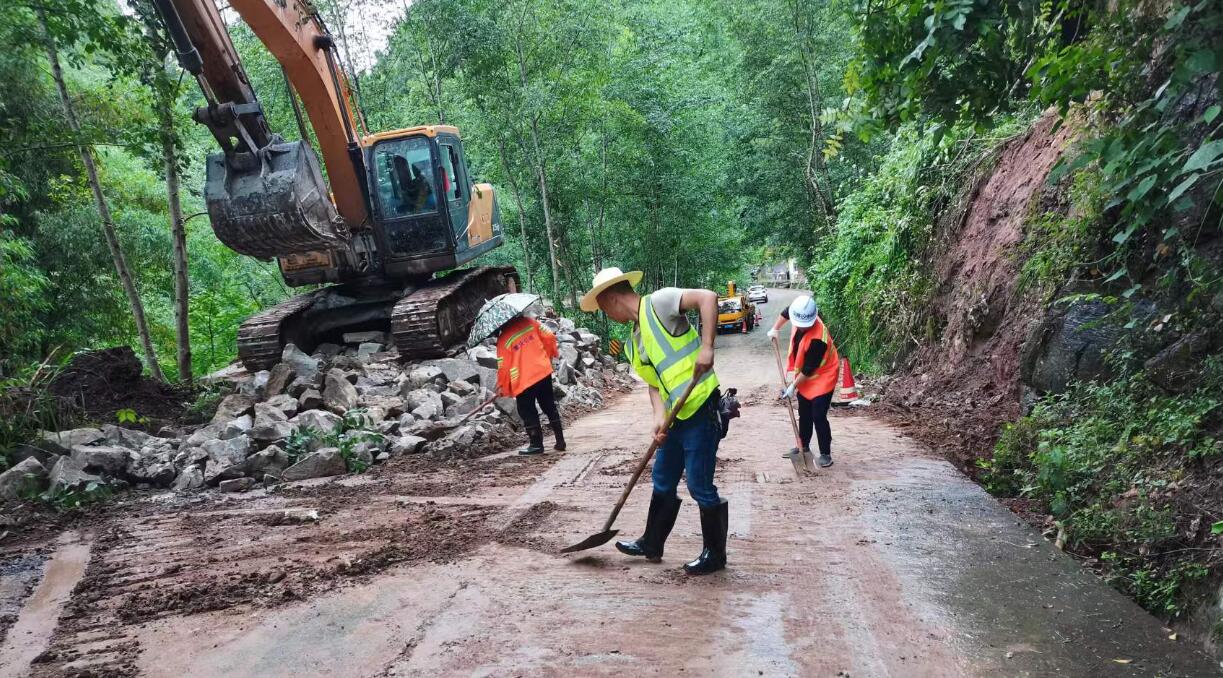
(660,430)
(773,333)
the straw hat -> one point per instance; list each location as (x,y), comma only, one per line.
(603,280)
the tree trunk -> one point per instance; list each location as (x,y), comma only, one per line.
(179,235)
(819,186)
(108,224)
(542,176)
(522,216)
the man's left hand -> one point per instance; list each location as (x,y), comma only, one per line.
(704,361)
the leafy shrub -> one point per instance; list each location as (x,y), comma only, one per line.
(1106,460)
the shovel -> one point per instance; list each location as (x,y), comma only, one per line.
(801,460)
(601,538)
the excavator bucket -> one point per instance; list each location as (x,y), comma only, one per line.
(279,206)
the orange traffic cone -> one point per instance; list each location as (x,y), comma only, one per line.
(849,390)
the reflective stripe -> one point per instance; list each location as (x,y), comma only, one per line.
(671,356)
(679,390)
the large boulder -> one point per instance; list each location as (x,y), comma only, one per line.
(279,378)
(189,479)
(304,366)
(204,434)
(454,369)
(569,355)
(225,458)
(407,444)
(325,462)
(508,407)
(154,469)
(233,406)
(107,459)
(311,399)
(367,349)
(287,404)
(271,424)
(565,374)
(69,474)
(339,395)
(61,442)
(126,437)
(484,356)
(237,427)
(269,461)
(27,477)
(318,420)
(425,376)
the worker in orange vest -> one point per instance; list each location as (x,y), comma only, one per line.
(525,349)
(812,357)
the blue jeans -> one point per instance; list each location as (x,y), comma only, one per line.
(691,447)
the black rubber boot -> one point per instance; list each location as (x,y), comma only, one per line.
(658,524)
(713,530)
(559,433)
(535,438)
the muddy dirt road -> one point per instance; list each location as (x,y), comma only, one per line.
(890,563)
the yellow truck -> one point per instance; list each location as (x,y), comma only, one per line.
(735,312)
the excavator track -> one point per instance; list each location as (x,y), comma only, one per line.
(259,338)
(427,322)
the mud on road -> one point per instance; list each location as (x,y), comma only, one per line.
(890,563)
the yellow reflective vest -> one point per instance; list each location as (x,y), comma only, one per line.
(666,362)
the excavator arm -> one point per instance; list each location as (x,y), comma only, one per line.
(267,197)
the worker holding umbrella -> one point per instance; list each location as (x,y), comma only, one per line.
(525,349)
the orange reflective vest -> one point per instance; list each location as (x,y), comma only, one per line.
(524,355)
(824,381)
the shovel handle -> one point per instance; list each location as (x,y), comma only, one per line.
(649,454)
(472,413)
(789,405)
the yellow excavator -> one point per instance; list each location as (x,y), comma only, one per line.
(397,207)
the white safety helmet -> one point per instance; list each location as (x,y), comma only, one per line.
(803,311)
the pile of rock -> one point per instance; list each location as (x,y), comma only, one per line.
(338,409)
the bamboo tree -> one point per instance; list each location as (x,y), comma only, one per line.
(178,232)
(522,215)
(95,184)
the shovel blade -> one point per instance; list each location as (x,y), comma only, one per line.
(591,541)
(809,462)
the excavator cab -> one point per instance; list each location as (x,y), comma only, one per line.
(430,215)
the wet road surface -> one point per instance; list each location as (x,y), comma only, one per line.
(890,563)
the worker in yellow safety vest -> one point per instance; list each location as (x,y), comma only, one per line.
(812,357)
(668,353)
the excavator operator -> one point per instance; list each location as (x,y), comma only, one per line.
(416,195)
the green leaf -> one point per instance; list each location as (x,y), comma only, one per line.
(1210,114)
(1204,156)
(1217,528)
(1142,188)
(1182,187)
(1116,275)
(1201,61)
(1177,18)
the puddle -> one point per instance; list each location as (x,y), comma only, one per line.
(31,633)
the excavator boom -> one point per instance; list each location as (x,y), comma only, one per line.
(266,197)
